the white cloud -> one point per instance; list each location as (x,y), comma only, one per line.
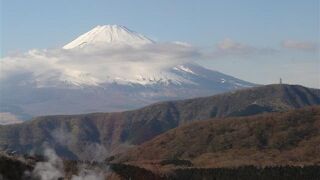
(229,47)
(300,45)
(93,65)
(8,118)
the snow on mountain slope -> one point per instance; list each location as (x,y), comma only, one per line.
(109,34)
(102,36)
(109,68)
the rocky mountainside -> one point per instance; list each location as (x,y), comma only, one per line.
(78,136)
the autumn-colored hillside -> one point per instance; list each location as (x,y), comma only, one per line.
(289,138)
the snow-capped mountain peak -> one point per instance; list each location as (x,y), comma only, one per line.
(108,34)
(109,68)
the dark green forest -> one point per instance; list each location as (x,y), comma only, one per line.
(240,173)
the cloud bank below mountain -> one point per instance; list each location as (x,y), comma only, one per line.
(94,65)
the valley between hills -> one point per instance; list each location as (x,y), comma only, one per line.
(256,129)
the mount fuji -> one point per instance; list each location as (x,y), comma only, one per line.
(109,34)
(109,68)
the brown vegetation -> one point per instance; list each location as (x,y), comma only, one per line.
(290,138)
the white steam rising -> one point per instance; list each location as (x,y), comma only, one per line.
(89,174)
(50,170)
(90,151)
(53,169)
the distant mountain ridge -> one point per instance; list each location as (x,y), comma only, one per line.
(74,135)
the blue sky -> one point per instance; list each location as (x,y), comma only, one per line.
(256,24)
